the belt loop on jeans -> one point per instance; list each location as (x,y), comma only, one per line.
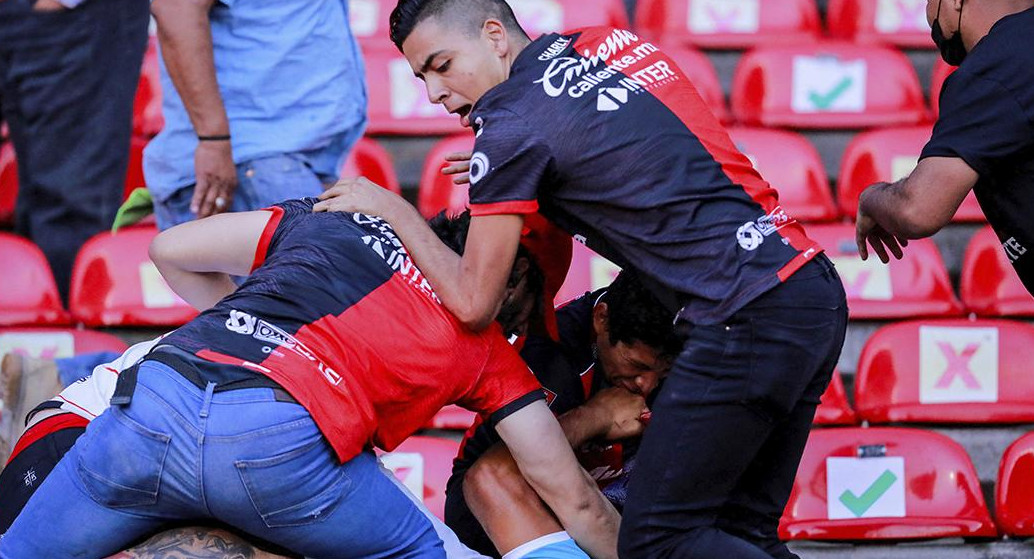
(207,403)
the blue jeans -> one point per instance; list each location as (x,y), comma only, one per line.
(261,183)
(240,457)
(71,369)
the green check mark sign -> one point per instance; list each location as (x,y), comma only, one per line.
(858,504)
(823,101)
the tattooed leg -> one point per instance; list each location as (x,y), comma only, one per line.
(195,543)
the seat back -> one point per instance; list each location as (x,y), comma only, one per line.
(888,155)
(791,164)
(947,371)
(701,73)
(915,286)
(884,484)
(56,343)
(588,272)
(29,294)
(369,159)
(423,465)
(827,85)
(147,105)
(899,23)
(989,285)
(833,408)
(114,283)
(728,24)
(398,101)
(437,191)
(453,418)
(1014,492)
(8,182)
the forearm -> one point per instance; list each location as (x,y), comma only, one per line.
(201,289)
(475,303)
(581,425)
(889,205)
(186,40)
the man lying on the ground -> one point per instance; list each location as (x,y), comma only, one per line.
(615,347)
(259,413)
(55,425)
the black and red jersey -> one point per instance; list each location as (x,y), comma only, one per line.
(603,134)
(337,314)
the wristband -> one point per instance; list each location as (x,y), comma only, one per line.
(219,138)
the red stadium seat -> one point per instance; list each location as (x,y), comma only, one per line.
(8,182)
(941,71)
(702,75)
(56,343)
(884,484)
(147,106)
(437,192)
(834,409)
(398,99)
(424,464)
(588,272)
(790,163)
(453,418)
(1014,492)
(728,24)
(989,284)
(899,23)
(915,286)
(29,294)
(887,155)
(826,85)
(135,170)
(369,159)
(114,283)
(369,18)
(947,371)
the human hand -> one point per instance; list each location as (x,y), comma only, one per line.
(48,6)
(459,166)
(867,230)
(358,195)
(216,178)
(621,413)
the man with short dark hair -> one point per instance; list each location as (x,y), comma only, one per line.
(261,412)
(983,140)
(603,134)
(615,346)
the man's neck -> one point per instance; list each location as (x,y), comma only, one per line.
(988,14)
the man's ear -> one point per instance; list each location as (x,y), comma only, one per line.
(601,319)
(496,34)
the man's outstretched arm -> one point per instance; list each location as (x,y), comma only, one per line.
(544,456)
(470,286)
(197,258)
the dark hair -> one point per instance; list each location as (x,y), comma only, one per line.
(452,230)
(471,13)
(634,314)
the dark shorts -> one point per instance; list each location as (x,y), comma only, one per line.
(38,450)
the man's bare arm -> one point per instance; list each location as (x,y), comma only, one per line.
(470,286)
(546,461)
(195,543)
(185,34)
(197,258)
(914,207)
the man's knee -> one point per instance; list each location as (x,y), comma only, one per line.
(495,480)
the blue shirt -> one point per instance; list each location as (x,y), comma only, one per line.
(600,131)
(987,120)
(291,77)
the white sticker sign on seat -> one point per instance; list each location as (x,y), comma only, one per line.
(724,16)
(826,84)
(958,364)
(865,487)
(408,467)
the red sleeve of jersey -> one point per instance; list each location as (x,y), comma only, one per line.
(505,208)
(505,385)
(267,236)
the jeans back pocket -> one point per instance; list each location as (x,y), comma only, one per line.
(120,461)
(295,488)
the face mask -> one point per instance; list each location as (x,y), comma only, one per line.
(953,51)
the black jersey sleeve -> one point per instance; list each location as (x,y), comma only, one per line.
(509,164)
(981,122)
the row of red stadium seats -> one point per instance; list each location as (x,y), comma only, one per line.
(115,284)
(712,24)
(820,85)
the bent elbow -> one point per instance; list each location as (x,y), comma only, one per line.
(473,319)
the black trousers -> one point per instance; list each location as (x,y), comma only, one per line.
(67,80)
(717,464)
